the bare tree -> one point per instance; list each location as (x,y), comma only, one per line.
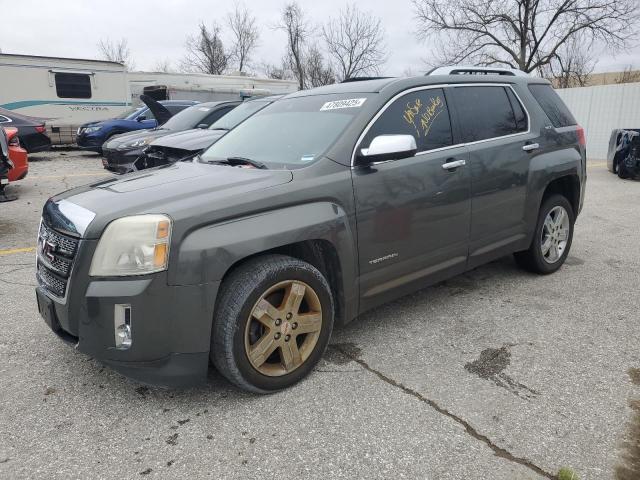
(245,35)
(524,34)
(116,51)
(278,72)
(572,64)
(317,71)
(355,43)
(164,66)
(206,52)
(298,32)
(629,75)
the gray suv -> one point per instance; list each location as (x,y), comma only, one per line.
(325,204)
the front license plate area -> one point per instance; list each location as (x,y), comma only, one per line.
(47,311)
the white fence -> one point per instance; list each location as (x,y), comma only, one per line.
(602,108)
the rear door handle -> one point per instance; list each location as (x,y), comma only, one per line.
(530,146)
(454,164)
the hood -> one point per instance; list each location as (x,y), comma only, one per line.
(160,113)
(173,189)
(192,140)
(120,140)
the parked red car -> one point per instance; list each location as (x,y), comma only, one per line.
(17,155)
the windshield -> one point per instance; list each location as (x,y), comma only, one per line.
(238,114)
(289,133)
(130,113)
(188,118)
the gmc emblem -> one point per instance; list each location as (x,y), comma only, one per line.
(47,249)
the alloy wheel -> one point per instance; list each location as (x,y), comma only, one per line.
(555,234)
(283,328)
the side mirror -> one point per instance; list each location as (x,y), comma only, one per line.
(203,126)
(141,118)
(387,147)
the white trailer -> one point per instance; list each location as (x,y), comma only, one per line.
(204,87)
(65,91)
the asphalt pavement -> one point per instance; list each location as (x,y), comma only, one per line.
(495,374)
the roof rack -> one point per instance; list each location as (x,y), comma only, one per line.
(362,79)
(473,70)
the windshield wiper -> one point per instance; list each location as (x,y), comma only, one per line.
(235,161)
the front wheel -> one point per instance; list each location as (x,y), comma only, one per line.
(552,238)
(272,323)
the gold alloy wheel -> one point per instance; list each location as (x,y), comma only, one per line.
(278,339)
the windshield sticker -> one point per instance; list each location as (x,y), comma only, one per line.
(348,103)
(204,109)
(307,158)
(415,113)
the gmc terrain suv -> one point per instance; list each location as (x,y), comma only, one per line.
(319,207)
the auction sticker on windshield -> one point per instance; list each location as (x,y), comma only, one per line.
(348,103)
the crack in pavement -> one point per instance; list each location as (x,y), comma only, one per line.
(498,451)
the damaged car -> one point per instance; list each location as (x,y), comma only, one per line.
(623,156)
(247,255)
(184,145)
(120,153)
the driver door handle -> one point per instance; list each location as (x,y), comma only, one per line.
(530,146)
(454,164)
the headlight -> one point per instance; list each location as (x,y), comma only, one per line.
(91,129)
(134,245)
(137,143)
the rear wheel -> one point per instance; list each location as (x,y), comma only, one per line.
(552,238)
(272,323)
(621,170)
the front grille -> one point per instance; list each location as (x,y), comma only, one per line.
(167,154)
(56,253)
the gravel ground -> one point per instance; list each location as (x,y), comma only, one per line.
(496,374)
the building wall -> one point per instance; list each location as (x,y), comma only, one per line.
(602,108)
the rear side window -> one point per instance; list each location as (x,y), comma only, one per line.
(73,85)
(423,114)
(486,112)
(552,105)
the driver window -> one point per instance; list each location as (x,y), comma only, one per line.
(423,114)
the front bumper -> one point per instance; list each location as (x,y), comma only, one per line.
(91,141)
(170,325)
(120,161)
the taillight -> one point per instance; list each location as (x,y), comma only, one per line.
(582,140)
(12,136)
(41,129)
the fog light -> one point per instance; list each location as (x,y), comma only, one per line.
(122,326)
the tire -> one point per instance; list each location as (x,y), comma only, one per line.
(236,330)
(533,259)
(622,171)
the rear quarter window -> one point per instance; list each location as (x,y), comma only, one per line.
(552,104)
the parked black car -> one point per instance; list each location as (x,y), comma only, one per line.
(181,145)
(323,205)
(32,131)
(623,156)
(121,151)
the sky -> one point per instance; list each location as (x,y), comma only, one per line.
(156,30)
